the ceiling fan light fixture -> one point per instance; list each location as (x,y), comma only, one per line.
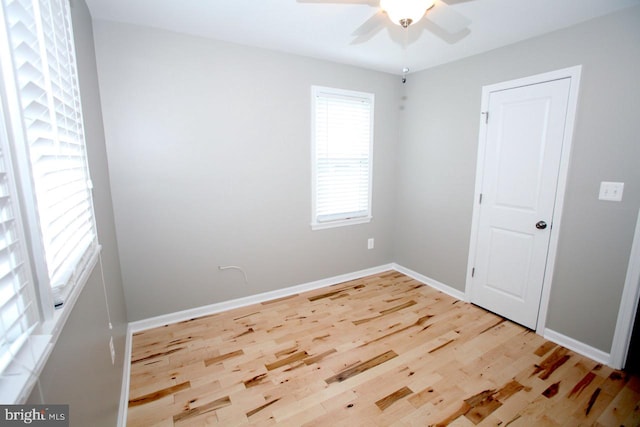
(405,12)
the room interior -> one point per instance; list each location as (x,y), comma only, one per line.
(199,154)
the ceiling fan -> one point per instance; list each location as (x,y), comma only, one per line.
(405,13)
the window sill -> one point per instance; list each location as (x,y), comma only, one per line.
(60,316)
(20,377)
(340,223)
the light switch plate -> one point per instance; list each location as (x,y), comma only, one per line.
(611,191)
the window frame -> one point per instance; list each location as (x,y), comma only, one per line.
(19,378)
(340,219)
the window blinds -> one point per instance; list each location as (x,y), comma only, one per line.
(342,139)
(43,54)
(18,311)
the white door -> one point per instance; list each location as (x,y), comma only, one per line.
(524,134)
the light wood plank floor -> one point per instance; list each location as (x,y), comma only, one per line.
(382,350)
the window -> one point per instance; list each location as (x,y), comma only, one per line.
(48,249)
(342,142)
(18,314)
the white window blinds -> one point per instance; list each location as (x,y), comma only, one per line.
(43,55)
(342,148)
(48,249)
(18,311)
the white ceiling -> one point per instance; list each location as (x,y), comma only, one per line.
(324,31)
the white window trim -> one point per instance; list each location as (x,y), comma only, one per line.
(28,364)
(19,378)
(339,220)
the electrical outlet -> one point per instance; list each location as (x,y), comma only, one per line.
(113,351)
(611,191)
(370,243)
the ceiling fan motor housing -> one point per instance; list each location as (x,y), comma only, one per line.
(405,12)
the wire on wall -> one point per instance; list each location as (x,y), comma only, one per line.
(104,288)
(235,267)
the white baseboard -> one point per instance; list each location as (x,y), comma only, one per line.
(431,282)
(207,310)
(551,335)
(577,346)
(126,375)
(165,319)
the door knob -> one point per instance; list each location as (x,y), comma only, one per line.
(541,225)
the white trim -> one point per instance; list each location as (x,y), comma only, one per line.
(340,223)
(60,316)
(572,73)
(628,305)
(342,218)
(126,377)
(431,282)
(165,319)
(23,372)
(35,354)
(180,316)
(577,346)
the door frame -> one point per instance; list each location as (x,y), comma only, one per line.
(572,73)
(628,305)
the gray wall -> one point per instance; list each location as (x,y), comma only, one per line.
(437,159)
(209,151)
(79,371)
(208,144)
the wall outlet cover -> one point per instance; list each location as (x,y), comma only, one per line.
(611,191)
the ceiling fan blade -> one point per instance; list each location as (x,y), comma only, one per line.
(369,28)
(373,24)
(369,2)
(446,18)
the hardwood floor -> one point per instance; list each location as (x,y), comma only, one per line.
(382,350)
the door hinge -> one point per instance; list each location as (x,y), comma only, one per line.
(480,199)
(473,271)
(486,116)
